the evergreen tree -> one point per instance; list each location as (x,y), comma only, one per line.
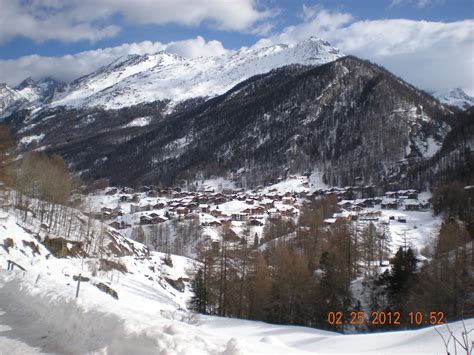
(401,279)
(199,300)
(402,271)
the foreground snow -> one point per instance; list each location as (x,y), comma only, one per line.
(45,317)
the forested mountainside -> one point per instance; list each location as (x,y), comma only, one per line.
(350,118)
(454,161)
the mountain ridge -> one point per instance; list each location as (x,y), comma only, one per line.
(137,79)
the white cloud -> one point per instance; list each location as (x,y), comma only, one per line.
(431,55)
(196,47)
(70,67)
(75,20)
(421,4)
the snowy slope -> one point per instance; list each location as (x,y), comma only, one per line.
(28,94)
(136,79)
(39,312)
(10,100)
(455,97)
(45,317)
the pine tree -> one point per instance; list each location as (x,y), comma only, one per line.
(6,155)
(401,279)
(199,300)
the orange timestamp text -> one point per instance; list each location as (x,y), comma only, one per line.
(381,318)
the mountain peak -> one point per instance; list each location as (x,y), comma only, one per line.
(136,79)
(455,97)
(28,82)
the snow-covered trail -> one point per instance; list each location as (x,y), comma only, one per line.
(20,334)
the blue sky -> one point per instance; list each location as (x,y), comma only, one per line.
(68,38)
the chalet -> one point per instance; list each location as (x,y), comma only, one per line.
(115,225)
(370,216)
(425,205)
(204,208)
(227,191)
(412,205)
(389,204)
(192,216)
(239,216)
(258,210)
(202,199)
(159,206)
(267,203)
(153,193)
(127,190)
(255,222)
(391,194)
(346,204)
(373,213)
(182,210)
(106,210)
(215,224)
(287,200)
(138,208)
(241,197)
(249,201)
(216,213)
(344,215)
(112,191)
(274,213)
(411,194)
(365,203)
(144,220)
(220,199)
(192,205)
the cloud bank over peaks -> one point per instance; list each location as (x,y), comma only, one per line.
(431,55)
(69,67)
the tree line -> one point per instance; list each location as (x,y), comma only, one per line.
(302,272)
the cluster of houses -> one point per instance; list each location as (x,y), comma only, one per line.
(156,206)
(364,209)
(210,208)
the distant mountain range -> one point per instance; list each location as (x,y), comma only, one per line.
(136,79)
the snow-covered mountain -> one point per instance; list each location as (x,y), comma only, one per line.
(135,79)
(28,94)
(40,92)
(10,100)
(455,97)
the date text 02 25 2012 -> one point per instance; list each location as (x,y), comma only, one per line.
(384,318)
